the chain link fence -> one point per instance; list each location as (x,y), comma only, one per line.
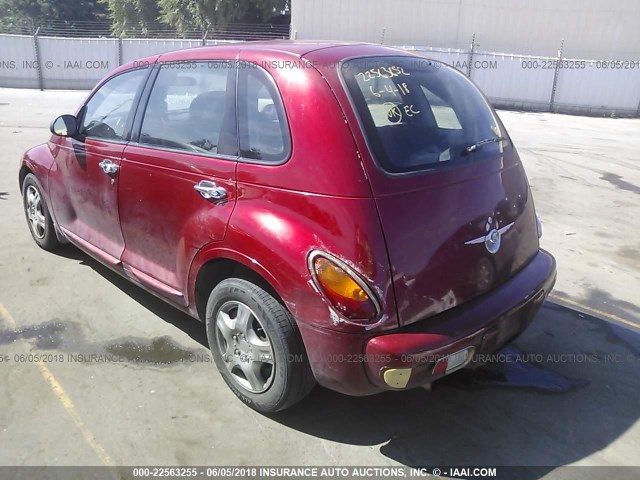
(105,29)
(538,83)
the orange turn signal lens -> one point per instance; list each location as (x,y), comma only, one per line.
(347,295)
(335,279)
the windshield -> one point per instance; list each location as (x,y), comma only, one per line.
(420,114)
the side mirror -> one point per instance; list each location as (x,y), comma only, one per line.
(65,126)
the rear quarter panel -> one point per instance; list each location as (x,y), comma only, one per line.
(278,229)
(319,198)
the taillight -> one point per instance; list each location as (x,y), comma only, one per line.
(344,289)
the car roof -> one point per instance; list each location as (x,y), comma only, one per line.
(285,48)
(297,48)
(293,49)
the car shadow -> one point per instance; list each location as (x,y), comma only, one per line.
(189,325)
(567,389)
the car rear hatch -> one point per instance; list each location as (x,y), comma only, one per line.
(453,198)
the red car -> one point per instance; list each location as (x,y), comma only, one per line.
(342,213)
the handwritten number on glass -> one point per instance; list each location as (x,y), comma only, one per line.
(396,113)
(399,88)
(383,72)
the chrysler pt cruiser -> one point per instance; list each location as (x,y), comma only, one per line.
(346,214)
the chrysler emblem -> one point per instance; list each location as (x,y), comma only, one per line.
(493,237)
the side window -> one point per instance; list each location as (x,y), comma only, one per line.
(192,108)
(107,112)
(264,134)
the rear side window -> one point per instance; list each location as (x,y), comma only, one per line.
(192,108)
(419,114)
(263,129)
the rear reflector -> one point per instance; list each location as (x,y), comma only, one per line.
(397,377)
(454,361)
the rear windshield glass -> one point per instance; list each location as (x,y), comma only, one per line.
(420,114)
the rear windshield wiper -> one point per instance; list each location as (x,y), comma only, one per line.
(477,145)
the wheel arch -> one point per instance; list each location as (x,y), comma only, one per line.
(37,160)
(222,266)
(22,174)
(25,169)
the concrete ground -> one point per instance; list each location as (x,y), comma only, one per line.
(575,400)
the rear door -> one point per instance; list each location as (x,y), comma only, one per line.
(452,196)
(178,187)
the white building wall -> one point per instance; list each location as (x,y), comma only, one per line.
(597,29)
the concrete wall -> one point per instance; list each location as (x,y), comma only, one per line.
(508,80)
(593,29)
(74,63)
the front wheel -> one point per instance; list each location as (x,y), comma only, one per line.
(37,213)
(256,346)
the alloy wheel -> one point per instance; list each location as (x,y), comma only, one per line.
(245,347)
(35,212)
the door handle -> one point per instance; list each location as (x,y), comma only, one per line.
(210,191)
(108,167)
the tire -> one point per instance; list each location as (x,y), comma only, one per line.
(247,328)
(37,214)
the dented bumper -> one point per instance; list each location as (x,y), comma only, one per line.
(425,351)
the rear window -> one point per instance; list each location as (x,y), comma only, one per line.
(419,114)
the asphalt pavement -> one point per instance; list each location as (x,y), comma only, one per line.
(567,393)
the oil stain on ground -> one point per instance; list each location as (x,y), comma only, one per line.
(67,337)
(157,351)
(45,336)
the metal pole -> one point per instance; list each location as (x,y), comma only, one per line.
(204,38)
(556,74)
(36,45)
(384,30)
(473,46)
(120,50)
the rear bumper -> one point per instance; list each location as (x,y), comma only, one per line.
(405,358)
